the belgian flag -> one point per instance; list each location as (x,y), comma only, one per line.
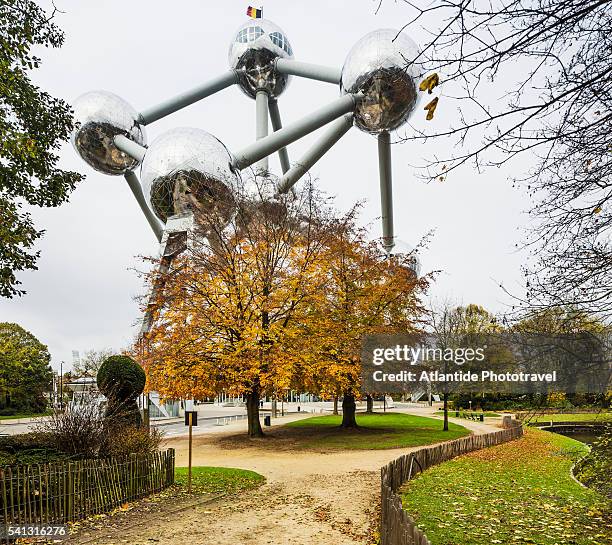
(254,12)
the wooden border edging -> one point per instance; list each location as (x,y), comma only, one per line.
(396,526)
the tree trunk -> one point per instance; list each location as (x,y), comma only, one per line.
(369,404)
(445,411)
(252,404)
(348,411)
(335,404)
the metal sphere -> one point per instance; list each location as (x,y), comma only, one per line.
(100,116)
(408,253)
(189,170)
(253,52)
(378,67)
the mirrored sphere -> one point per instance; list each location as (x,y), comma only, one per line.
(100,116)
(189,170)
(254,49)
(378,66)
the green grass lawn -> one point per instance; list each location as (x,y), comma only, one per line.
(216,480)
(578,417)
(518,492)
(26,415)
(376,431)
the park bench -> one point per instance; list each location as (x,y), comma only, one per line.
(470,415)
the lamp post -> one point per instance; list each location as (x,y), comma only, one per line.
(61,386)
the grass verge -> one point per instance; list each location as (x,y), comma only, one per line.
(376,431)
(217,480)
(576,417)
(518,492)
(25,415)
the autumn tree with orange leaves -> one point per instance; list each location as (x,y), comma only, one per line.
(366,292)
(277,300)
(231,303)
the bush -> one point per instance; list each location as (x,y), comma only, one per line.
(28,448)
(124,440)
(77,433)
(122,380)
(86,433)
(121,377)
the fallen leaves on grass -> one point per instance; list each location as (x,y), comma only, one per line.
(518,492)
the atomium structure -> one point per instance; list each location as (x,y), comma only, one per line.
(187,169)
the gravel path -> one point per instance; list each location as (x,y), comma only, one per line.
(309,498)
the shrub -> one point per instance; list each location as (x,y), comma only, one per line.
(121,377)
(77,433)
(86,433)
(122,380)
(28,448)
(125,439)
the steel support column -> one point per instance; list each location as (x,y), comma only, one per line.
(261,124)
(285,136)
(336,130)
(185,99)
(136,188)
(277,125)
(310,71)
(386,190)
(130,147)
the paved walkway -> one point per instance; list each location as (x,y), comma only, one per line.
(309,498)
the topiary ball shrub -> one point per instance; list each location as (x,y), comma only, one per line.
(121,377)
(122,380)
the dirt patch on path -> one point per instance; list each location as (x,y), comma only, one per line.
(310,498)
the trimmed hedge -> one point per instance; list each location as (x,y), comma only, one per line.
(121,378)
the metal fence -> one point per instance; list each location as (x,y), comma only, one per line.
(58,492)
(397,527)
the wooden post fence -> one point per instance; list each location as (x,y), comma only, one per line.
(396,526)
(59,492)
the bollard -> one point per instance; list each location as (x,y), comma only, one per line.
(482,417)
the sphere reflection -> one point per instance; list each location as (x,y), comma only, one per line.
(100,116)
(380,67)
(256,46)
(189,170)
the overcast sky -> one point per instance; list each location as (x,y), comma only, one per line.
(82,296)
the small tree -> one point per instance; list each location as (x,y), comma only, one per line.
(568,325)
(122,380)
